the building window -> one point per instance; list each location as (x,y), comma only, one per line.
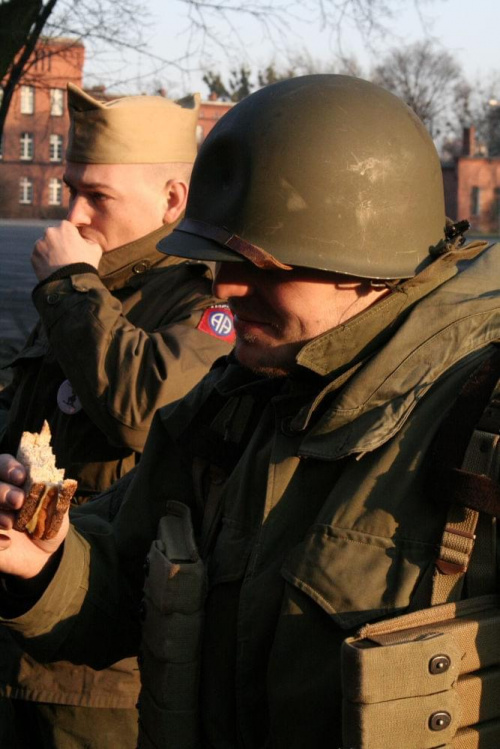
(475,202)
(27,99)
(25,191)
(26,142)
(56,147)
(55,191)
(496,204)
(56,102)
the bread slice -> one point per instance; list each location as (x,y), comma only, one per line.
(48,493)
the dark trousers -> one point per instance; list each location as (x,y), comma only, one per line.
(39,725)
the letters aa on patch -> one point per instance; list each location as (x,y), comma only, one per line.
(218,322)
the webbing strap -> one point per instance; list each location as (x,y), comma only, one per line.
(455,552)
(467,530)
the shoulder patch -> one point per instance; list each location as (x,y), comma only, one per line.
(217,321)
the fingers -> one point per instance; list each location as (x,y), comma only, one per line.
(11,470)
(12,477)
(60,246)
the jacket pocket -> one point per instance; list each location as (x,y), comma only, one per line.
(357,577)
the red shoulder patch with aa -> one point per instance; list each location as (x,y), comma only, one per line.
(218,322)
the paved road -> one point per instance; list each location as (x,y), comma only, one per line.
(17,313)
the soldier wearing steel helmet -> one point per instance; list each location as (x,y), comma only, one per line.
(283,503)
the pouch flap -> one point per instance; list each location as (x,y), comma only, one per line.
(412,668)
(474,624)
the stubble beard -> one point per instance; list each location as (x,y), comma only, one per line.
(267,364)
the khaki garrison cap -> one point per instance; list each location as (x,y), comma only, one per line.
(131,130)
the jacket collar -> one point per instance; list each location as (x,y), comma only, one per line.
(341,347)
(118,266)
(457,319)
(381,363)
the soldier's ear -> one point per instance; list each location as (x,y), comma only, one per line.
(175,200)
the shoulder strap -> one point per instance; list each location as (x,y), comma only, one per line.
(473,490)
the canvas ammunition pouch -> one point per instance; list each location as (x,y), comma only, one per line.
(431,678)
(426,679)
(173,606)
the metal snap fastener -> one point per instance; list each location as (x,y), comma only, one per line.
(439,721)
(141,267)
(439,664)
(52,298)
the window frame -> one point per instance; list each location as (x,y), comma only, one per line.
(56,147)
(475,200)
(56,102)
(28,91)
(55,188)
(26,146)
(26,191)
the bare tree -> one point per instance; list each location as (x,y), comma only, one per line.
(119,24)
(113,23)
(240,83)
(218,22)
(428,79)
(16,19)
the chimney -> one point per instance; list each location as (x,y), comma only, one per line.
(469,141)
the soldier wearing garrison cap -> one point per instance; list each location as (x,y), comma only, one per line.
(123,330)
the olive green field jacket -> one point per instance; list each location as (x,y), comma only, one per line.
(128,340)
(328,521)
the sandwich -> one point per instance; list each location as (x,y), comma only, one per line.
(48,493)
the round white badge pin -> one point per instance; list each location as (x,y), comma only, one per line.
(67,399)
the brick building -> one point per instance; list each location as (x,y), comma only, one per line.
(35,133)
(472,186)
(210,112)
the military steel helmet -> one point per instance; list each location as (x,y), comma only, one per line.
(323,171)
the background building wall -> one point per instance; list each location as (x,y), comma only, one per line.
(479,193)
(31,179)
(57,63)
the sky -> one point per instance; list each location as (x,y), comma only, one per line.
(468,29)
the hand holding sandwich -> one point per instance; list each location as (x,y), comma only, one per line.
(20,554)
(34,503)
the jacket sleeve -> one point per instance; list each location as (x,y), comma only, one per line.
(90,611)
(125,365)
